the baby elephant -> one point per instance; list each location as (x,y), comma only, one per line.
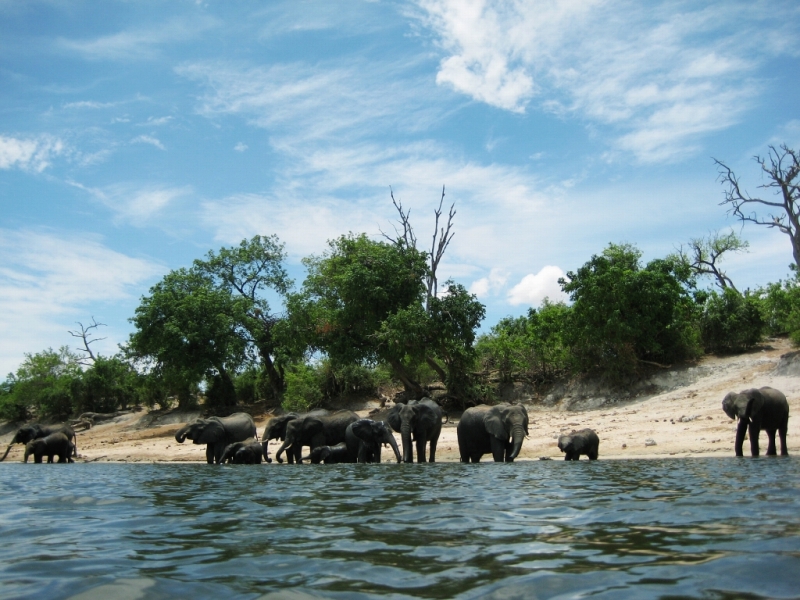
(248,452)
(55,444)
(329,455)
(580,442)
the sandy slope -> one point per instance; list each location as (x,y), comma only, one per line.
(693,394)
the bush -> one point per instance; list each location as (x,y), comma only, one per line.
(303,388)
(731,321)
(780,308)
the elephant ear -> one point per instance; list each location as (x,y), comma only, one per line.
(363,430)
(755,402)
(426,416)
(393,418)
(312,426)
(213,431)
(493,421)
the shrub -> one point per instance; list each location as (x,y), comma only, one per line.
(731,321)
(780,308)
(303,389)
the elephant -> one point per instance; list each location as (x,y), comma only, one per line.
(419,422)
(498,430)
(248,452)
(27,433)
(313,431)
(364,439)
(580,442)
(217,433)
(276,428)
(55,444)
(329,454)
(765,408)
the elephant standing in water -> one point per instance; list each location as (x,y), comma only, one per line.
(313,431)
(764,408)
(248,452)
(419,422)
(364,439)
(276,429)
(217,433)
(28,433)
(580,442)
(498,430)
(329,455)
(55,444)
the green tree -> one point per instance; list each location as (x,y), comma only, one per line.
(780,307)
(108,384)
(703,255)
(731,321)
(624,315)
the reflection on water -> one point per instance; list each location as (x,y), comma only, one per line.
(696,528)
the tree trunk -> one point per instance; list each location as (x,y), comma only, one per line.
(405,377)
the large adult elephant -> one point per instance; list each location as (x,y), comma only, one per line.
(497,430)
(276,428)
(419,422)
(55,444)
(35,431)
(217,433)
(313,431)
(364,439)
(763,408)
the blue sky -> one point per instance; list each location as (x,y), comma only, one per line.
(137,136)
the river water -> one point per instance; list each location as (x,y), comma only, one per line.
(714,528)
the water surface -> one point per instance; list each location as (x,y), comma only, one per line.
(713,528)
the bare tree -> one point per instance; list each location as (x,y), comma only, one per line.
(84,335)
(781,168)
(703,255)
(441,239)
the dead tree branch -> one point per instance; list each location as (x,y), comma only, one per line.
(438,246)
(782,169)
(84,334)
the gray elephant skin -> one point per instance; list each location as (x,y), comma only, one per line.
(313,431)
(365,438)
(217,433)
(580,442)
(329,455)
(55,444)
(497,430)
(763,408)
(417,422)
(248,452)
(276,428)
(28,433)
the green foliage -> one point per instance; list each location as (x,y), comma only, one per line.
(780,308)
(623,315)
(339,381)
(109,384)
(731,321)
(530,347)
(303,388)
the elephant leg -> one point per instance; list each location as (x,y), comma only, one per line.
(210,454)
(741,431)
(297,453)
(755,429)
(421,442)
(771,450)
(433,451)
(592,455)
(499,450)
(782,434)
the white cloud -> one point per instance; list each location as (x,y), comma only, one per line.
(661,75)
(484,286)
(47,281)
(535,288)
(29,154)
(147,139)
(136,205)
(240,147)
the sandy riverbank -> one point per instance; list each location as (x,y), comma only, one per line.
(684,420)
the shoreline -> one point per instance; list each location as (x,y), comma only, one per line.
(685,421)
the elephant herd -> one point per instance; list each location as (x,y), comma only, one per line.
(343,437)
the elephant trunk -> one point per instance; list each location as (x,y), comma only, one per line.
(517,436)
(180,436)
(393,444)
(7,451)
(408,448)
(283,447)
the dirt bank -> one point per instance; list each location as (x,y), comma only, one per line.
(683,419)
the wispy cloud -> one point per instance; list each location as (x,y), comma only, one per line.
(660,75)
(137,44)
(33,154)
(148,139)
(46,279)
(133,204)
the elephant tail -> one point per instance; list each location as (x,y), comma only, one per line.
(7,451)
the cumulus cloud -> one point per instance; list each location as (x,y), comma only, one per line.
(660,75)
(48,279)
(33,154)
(489,285)
(535,288)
